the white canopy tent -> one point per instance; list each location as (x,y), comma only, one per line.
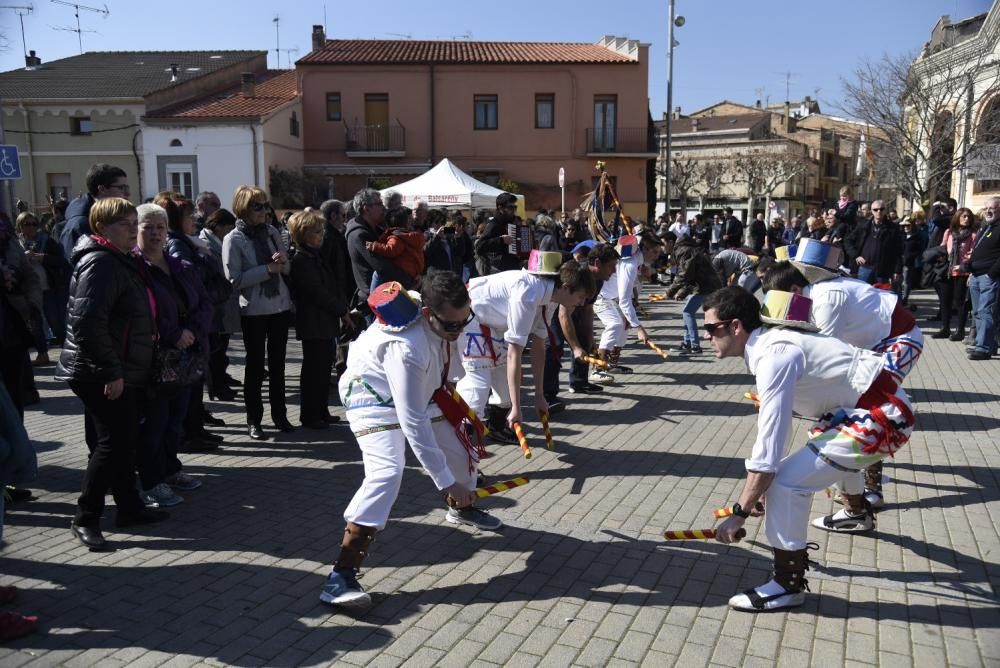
(447,186)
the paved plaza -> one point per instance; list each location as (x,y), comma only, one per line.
(579,576)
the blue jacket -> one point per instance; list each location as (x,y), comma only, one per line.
(77,222)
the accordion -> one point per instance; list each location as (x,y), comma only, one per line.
(521,239)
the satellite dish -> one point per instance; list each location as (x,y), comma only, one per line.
(679,21)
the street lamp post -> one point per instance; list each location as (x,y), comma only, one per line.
(678,21)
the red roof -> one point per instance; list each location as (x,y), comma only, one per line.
(378,51)
(273,89)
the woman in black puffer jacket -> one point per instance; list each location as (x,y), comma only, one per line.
(107,359)
(696,279)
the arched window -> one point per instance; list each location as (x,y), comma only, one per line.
(176,142)
(942,162)
(988,130)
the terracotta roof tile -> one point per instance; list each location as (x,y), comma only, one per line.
(274,89)
(377,51)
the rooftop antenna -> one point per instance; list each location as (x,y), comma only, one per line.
(288,55)
(277,39)
(788,84)
(397,34)
(21,11)
(77,7)
(759,92)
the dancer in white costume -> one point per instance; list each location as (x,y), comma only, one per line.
(863,416)
(509,308)
(866,317)
(395,391)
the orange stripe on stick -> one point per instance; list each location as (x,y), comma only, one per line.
(548,431)
(522,440)
(498,487)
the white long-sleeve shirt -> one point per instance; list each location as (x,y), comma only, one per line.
(390,379)
(621,286)
(511,302)
(805,373)
(852,311)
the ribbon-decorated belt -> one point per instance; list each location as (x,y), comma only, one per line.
(389,427)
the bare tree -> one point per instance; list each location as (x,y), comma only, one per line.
(923,110)
(763,171)
(714,174)
(685,173)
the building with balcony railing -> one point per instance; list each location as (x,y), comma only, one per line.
(378,112)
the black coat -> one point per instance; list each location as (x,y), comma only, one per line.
(318,302)
(490,246)
(364,263)
(109,325)
(334,252)
(733,235)
(695,273)
(887,241)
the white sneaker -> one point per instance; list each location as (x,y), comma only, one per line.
(161,496)
(843,522)
(599,377)
(757,599)
(474,517)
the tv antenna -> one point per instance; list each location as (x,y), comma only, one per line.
(788,83)
(277,38)
(288,55)
(21,11)
(396,34)
(77,7)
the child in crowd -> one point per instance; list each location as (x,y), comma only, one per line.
(405,247)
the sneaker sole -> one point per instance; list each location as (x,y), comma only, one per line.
(163,504)
(742,603)
(458,520)
(355,601)
(818,523)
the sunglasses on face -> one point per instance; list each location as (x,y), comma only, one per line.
(259,206)
(453,325)
(711,327)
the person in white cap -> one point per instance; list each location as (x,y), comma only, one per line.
(863,316)
(395,391)
(509,308)
(863,417)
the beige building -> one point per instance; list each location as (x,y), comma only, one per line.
(379,112)
(68,114)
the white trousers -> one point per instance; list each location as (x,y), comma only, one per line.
(384,456)
(476,385)
(614,334)
(848,439)
(483,373)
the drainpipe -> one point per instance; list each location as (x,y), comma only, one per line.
(256,167)
(963,173)
(433,146)
(138,163)
(27,138)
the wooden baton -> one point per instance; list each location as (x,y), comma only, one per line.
(522,440)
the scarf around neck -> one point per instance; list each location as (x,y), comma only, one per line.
(259,235)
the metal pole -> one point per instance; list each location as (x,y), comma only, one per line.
(670,98)
(6,194)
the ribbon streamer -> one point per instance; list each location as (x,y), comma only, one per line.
(548,431)
(522,440)
(498,487)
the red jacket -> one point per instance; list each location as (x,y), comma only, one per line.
(404,248)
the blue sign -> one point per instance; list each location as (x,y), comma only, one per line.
(10,166)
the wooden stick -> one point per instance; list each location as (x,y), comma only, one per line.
(471,414)
(657,349)
(595,361)
(696,534)
(722,512)
(522,440)
(498,487)
(549,443)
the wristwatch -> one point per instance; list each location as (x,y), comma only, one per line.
(739,512)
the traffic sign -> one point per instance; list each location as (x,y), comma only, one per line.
(10,166)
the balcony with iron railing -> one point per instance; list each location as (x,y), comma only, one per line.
(375,141)
(631,142)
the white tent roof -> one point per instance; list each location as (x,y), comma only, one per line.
(445,185)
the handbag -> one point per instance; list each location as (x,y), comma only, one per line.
(174,369)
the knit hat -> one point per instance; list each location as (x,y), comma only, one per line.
(394,308)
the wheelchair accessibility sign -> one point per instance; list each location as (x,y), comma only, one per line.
(10,166)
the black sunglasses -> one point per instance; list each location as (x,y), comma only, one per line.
(259,206)
(454,325)
(711,327)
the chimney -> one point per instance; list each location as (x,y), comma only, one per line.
(31,61)
(694,125)
(249,84)
(319,38)
(174,69)
(757,105)
(677,113)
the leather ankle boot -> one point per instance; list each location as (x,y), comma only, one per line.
(354,547)
(790,569)
(854,503)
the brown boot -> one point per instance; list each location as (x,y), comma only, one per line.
(873,485)
(784,590)
(613,361)
(342,587)
(856,517)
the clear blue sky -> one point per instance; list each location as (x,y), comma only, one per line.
(728,48)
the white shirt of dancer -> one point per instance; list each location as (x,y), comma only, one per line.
(390,379)
(852,311)
(621,286)
(510,302)
(809,374)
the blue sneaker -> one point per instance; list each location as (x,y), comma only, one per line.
(474,517)
(342,589)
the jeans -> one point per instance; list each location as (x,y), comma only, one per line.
(314,379)
(264,333)
(690,311)
(112,431)
(159,436)
(54,307)
(909,273)
(984,296)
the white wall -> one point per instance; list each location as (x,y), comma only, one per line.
(224,155)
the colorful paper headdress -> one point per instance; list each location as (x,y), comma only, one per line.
(544,263)
(816,260)
(394,308)
(787,309)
